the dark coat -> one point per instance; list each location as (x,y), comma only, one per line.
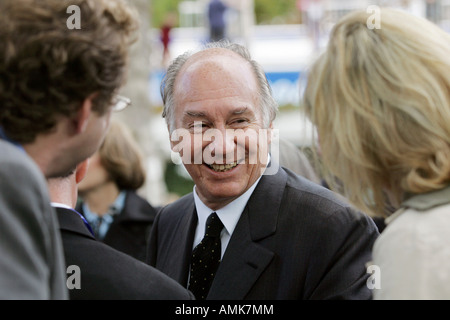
(131,227)
(107,273)
(294,240)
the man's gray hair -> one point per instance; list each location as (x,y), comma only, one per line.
(267,102)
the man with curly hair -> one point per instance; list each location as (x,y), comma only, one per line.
(58,88)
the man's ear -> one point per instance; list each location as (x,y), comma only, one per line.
(81,170)
(81,119)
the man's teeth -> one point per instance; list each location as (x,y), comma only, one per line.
(222,167)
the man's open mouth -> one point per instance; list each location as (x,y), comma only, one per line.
(222,167)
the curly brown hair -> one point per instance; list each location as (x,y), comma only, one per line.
(47,70)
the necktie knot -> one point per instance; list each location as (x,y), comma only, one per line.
(213,226)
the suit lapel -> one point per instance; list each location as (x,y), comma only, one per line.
(264,205)
(243,262)
(245,259)
(175,253)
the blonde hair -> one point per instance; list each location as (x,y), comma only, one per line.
(122,158)
(380,101)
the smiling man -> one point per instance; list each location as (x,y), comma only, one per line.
(212,100)
(273,236)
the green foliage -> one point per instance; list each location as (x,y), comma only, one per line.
(176,183)
(160,9)
(267,10)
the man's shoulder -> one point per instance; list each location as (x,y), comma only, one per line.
(309,200)
(12,155)
(100,281)
(324,212)
(21,178)
(183,203)
(16,163)
(312,191)
(175,211)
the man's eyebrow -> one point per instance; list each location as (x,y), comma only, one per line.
(200,114)
(239,111)
(195,114)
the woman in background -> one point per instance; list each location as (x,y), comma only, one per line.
(109,200)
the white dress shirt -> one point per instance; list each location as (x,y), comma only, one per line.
(229,215)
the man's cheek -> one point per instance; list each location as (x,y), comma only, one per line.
(182,144)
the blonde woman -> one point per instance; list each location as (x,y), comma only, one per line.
(118,215)
(380,100)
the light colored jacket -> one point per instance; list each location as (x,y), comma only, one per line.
(413,252)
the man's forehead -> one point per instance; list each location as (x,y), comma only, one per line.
(214,69)
(214,53)
(213,58)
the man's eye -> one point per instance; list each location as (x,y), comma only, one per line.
(198,125)
(239,121)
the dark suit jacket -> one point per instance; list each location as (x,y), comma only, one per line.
(294,240)
(131,227)
(110,274)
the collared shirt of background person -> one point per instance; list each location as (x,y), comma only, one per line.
(57,91)
(285,237)
(110,202)
(380,100)
(104,272)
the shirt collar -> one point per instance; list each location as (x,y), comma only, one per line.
(428,200)
(116,207)
(422,202)
(119,203)
(60,205)
(230,214)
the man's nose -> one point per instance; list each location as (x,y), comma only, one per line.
(222,146)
